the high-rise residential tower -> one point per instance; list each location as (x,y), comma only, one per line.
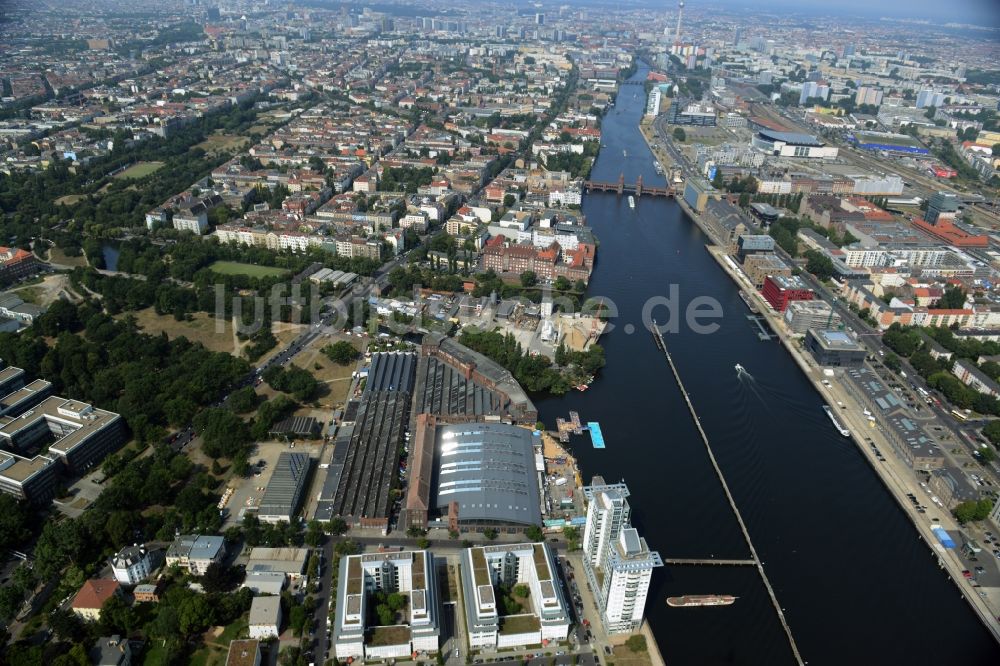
(618,563)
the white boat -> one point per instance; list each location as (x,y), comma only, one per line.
(624,153)
(833,417)
(740,369)
(631,201)
(657,167)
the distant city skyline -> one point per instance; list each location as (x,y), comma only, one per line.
(983,12)
(975,12)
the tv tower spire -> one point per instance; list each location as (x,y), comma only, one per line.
(680,14)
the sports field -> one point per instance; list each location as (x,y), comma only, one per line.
(237,268)
(139,170)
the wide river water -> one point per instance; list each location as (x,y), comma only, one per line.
(857,584)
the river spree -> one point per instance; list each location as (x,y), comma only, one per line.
(856,584)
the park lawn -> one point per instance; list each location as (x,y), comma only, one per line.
(56,255)
(626,657)
(237,268)
(201,328)
(215,648)
(208,656)
(334,380)
(220,142)
(155,655)
(232,632)
(140,170)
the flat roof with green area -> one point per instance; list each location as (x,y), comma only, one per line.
(140,170)
(395,635)
(541,562)
(237,268)
(419,580)
(480,570)
(519,624)
(355,581)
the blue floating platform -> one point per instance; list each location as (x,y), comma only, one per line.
(596,436)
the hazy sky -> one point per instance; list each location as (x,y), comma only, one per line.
(981,12)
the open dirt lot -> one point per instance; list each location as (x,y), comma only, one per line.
(710,136)
(69,199)
(50,289)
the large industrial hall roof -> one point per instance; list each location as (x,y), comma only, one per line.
(489,470)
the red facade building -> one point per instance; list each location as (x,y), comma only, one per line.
(779,290)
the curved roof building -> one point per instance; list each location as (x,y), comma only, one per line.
(488,471)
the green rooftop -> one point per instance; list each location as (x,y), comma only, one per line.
(395,635)
(542,563)
(480,570)
(519,624)
(355,579)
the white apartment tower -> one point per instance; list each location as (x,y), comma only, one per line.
(607,513)
(627,572)
(653,102)
(618,563)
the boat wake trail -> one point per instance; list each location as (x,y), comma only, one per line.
(791,403)
(746,379)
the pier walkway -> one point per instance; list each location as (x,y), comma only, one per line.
(761,323)
(658,338)
(719,561)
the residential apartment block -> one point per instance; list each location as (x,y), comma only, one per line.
(488,571)
(417,626)
(618,562)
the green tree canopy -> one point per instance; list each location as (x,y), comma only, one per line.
(341,352)
(819,264)
(971,510)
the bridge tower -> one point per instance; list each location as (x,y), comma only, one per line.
(638,187)
(621,183)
